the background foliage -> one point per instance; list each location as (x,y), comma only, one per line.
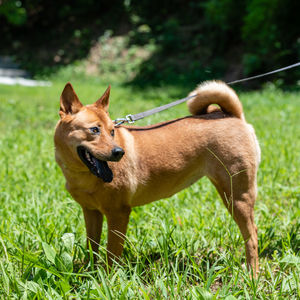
(194,40)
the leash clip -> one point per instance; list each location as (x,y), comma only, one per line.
(129,119)
(120,121)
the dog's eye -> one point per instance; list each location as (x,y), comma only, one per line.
(94,130)
(112,133)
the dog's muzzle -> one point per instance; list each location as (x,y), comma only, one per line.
(99,167)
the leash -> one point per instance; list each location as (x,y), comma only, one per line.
(132,118)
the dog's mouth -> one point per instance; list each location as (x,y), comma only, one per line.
(98,167)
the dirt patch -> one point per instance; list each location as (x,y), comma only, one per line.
(114,56)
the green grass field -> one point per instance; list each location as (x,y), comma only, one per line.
(185,247)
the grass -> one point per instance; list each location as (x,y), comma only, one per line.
(185,247)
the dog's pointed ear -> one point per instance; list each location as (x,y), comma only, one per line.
(69,102)
(103,102)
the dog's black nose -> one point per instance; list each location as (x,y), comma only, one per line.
(117,153)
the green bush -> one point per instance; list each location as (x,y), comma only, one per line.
(13,11)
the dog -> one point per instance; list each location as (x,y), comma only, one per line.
(111,169)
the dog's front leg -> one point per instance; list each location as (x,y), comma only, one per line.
(117,222)
(93,224)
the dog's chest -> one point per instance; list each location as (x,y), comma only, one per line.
(92,193)
(82,181)
(88,195)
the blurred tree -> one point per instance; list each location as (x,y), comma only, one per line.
(53,33)
(270,33)
(13,11)
(213,38)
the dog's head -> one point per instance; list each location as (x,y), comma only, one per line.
(87,133)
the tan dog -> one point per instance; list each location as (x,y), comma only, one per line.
(109,170)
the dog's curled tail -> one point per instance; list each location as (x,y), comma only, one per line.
(215,92)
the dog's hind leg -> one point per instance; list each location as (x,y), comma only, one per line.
(93,224)
(117,222)
(238,193)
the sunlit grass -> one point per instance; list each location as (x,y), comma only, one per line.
(185,247)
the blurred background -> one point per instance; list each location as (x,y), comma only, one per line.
(152,42)
(152,52)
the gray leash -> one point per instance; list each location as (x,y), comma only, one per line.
(265,74)
(132,118)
